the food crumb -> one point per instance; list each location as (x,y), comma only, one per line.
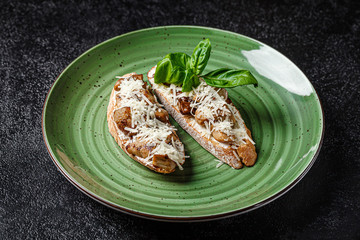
(220,163)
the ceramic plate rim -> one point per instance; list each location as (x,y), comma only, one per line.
(164,217)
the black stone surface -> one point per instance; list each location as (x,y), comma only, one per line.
(39,39)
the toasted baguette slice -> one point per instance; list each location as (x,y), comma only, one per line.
(244,153)
(158,162)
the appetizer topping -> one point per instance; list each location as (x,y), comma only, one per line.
(145,125)
(184,104)
(247,153)
(214,116)
(163,161)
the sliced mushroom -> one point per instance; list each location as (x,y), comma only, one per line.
(164,162)
(139,149)
(200,118)
(148,95)
(220,115)
(247,153)
(162,115)
(223,137)
(184,105)
(122,118)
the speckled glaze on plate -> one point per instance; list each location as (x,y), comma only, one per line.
(283,113)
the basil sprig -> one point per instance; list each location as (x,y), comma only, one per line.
(182,70)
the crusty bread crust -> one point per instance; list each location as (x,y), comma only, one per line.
(122,142)
(227,155)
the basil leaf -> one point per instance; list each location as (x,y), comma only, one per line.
(172,69)
(190,81)
(200,56)
(227,78)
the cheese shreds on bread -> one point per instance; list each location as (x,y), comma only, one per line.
(133,122)
(221,117)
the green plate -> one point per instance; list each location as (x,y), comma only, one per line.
(283,113)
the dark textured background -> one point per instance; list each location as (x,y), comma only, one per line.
(38,40)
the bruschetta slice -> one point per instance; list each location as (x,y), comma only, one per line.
(211,118)
(141,127)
